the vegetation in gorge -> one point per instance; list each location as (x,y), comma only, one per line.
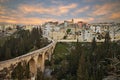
(86,61)
(22,42)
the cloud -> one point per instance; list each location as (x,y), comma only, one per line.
(88,0)
(56,1)
(31,13)
(87,19)
(3,1)
(23,20)
(6,14)
(2,10)
(52,10)
(115,15)
(104,9)
(82,9)
(65,9)
(36,8)
(18,16)
(7,19)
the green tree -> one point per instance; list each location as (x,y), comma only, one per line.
(39,75)
(73,60)
(7,53)
(18,72)
(94,45)
(68,31)
(21,71)
(107,44)
(107,38)
(81,72)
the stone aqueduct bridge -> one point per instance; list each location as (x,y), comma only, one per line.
(36,59)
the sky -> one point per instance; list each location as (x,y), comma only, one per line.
(40,11)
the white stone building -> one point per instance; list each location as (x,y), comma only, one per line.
(98,29)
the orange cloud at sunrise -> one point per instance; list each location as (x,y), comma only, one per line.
(84,19)
(82,9)
(39,11)
(115,15)
(105,8)
(38,8)
(26,20)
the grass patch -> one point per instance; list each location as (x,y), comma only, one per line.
(60,52)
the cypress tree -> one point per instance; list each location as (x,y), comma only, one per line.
(7,53)
(94,45)
(107,45)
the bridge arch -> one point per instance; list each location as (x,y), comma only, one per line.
(39,62)
(33,68)
(46,55)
